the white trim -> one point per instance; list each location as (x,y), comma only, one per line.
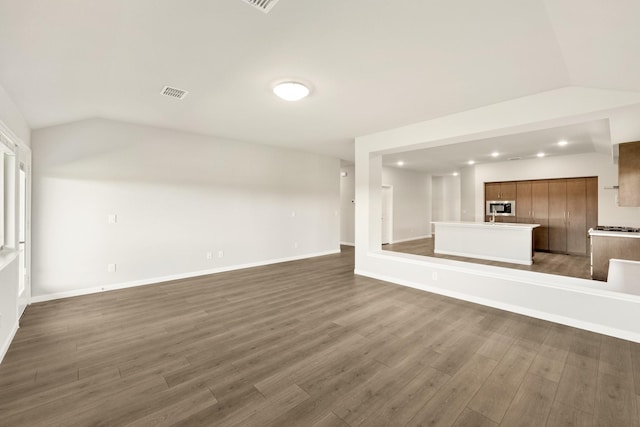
(7,343)
(410,239)
(487,257)
(573,284)
(348,244)
(9,134)
(593,327)
(156,280)
(6,257)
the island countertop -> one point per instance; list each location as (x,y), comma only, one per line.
(488,224)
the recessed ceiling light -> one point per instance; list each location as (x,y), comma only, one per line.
(495,154)
(562,143)
(400,163)
(540,154)
(455,174)
(291,91)
(471,162)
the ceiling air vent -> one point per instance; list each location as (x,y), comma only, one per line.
(515,158)
(173,92)
(263,5)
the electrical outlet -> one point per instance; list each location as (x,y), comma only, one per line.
(112,219)
(209,255)
(434,276)
(111,268)
(220,254)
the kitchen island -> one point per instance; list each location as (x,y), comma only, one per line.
(505,242)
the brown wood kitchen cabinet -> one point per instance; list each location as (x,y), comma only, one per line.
(577,237)
(523,202)
(540,213)
(573,209)
(564,208)
(629,174)
(500,191)
(558,215)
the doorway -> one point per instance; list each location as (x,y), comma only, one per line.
(387,214)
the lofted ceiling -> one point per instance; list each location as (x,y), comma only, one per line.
(371,65)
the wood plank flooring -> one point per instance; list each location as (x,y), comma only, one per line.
(543,262)
(307,343)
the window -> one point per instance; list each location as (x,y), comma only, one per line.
(2,196)
(6,156)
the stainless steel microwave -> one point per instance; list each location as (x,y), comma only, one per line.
(501,207)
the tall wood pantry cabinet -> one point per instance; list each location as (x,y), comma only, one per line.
(532,207)
(564,208)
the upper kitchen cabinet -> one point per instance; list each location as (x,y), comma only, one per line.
(500,191)
(629,174)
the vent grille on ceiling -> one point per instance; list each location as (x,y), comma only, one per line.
(173,92)
(263,5)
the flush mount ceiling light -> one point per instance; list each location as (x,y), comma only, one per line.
(541,154)
(471,162)
(562,143)
(495,154)
(400,163)
(291,91)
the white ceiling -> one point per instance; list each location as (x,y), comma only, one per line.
(581,138)
(372,65)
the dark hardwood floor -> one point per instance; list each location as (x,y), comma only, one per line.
(543,262)
(307,343)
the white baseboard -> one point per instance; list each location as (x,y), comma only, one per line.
(568,321)
(426,236)
(155,280)
(7,341)
(347,243)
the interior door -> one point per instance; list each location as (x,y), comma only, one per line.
(387,214)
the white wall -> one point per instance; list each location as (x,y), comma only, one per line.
(13,124)
(437,199)
(591,164)
(411,203)
(446,202)
(348,206)
(177,196)
(575,302)
(451,197)
(12,118)
(468,194)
